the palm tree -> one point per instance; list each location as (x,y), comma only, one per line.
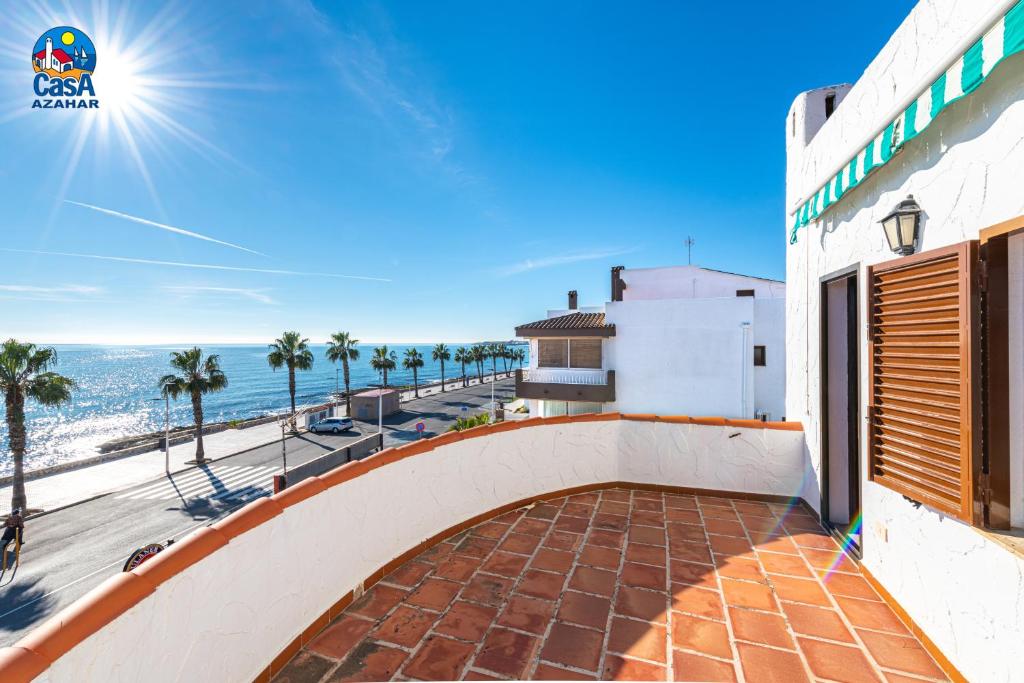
(463,355)
(24,373)
(520,355)
(343,347)
(479,354)
(492,352)
(413,360)
(383,360)
(291,350)
(198,376)
(441,353)
(503,350)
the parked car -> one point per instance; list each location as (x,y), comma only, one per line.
(333,425)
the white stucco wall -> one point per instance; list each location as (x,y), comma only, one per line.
(693,282)
(682,356)
(769,331)
(965,590)
(225,617)
(690,356)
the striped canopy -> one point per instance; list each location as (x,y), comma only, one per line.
(1002,40)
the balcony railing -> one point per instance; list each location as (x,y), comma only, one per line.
(565,376)
(565,384)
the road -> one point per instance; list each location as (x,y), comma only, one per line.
(70,551)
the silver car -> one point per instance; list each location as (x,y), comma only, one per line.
(333,425)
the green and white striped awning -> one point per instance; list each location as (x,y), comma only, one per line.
(1002,40)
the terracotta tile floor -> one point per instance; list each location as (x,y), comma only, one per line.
(621,584)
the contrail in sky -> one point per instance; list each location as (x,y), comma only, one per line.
(162,226)
(203,266)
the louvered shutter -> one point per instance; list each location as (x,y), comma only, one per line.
(924,429)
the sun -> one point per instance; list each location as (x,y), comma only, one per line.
(67,37)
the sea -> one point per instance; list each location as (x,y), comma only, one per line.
(118,393)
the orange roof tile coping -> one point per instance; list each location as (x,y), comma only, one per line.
(34,653)
(19,664)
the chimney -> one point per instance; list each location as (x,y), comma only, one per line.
(572,300)
(617,284)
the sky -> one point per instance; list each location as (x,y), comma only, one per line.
(404,171)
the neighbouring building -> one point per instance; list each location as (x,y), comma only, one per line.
(365,404)
(905,322)
(674,340)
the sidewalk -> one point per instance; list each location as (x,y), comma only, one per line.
(74,486)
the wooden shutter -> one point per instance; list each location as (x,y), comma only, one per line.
(585,353)
(552,353)
(924,433)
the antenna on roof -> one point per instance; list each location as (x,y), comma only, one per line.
(689,250)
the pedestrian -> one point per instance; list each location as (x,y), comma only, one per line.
(14,528)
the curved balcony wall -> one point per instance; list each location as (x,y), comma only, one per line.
(268,577)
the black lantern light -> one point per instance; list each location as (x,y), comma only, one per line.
(901,226)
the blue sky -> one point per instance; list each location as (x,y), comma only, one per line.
(472,161)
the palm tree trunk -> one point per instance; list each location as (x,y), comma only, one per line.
(16,437)
(385,377)
(291,385)
(415,382)
(442,375)
(348,400)
(197,414)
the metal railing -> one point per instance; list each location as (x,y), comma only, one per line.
(353,451)
(565,376)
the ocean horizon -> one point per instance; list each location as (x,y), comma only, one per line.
(118,396)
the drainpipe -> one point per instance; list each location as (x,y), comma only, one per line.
(744,371)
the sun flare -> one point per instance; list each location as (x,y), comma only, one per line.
(149,99)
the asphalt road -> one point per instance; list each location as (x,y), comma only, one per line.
(72,550)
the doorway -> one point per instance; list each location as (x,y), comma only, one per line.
(840,401)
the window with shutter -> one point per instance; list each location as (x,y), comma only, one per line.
(552,353)
(924,352)
(585,353)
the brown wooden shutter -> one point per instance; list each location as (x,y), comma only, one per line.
(552,353)
(924,431)
(585,353)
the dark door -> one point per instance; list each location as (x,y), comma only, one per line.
(840,373)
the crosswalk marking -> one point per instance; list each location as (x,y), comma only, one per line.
(220,482)
(180,480)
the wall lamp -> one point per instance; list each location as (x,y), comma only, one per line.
(901,226)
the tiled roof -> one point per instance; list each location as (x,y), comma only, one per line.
(591,323)
(570,322)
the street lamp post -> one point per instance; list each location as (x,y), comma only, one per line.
(167,427)
(284,450)
(337,387)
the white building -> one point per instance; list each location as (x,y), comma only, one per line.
(907,371)
(53,60)
(676,340)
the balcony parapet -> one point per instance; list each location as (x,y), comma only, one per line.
(558,384)
(267,578)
